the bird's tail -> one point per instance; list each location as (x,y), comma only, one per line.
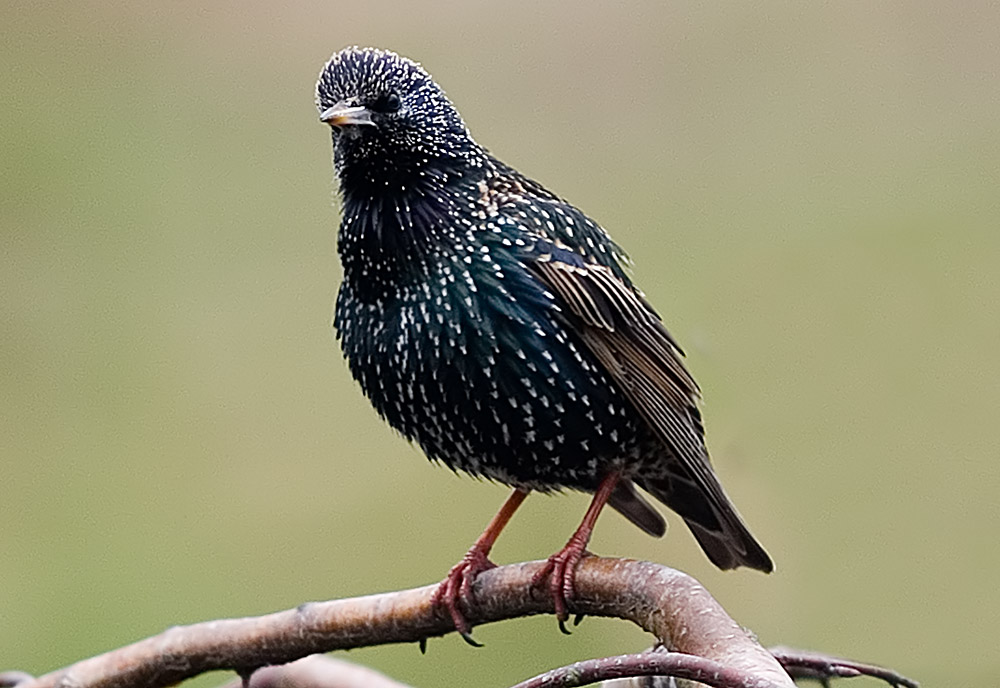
(632,506)
(712,518)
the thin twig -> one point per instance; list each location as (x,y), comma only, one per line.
(669,604)
(673,664)
(808,664)
(317,671)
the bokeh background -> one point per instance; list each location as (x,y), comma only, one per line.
(810,191)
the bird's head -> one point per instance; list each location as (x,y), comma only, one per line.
(390,120)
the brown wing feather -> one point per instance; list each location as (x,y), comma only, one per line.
(625,334)
(630,341)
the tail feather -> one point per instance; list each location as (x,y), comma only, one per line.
(632,506)
(713,520)
(728,551)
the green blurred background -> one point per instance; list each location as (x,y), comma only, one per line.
(811,195)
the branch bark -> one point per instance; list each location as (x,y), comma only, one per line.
(654,668)
(317,671)
(822,667)
(667,603)
(647,664)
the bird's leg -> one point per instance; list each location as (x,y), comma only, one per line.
(457,585)
(560,569)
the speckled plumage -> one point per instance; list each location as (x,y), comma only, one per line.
(491,322)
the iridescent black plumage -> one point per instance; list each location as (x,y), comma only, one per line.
(492,323)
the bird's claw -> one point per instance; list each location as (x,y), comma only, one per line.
(467,637)
(456,590)
(560,571)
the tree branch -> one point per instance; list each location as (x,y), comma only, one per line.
(654,668)
(672,664)
(317,671)
(815,665)
(669,604)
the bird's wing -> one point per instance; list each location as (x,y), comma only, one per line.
(626,336)
(621,329)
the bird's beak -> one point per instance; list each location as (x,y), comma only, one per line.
(342,115)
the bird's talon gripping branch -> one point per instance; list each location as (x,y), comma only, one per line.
(559,574)
(472,642)
(455,590)
(560,569)
(457,585)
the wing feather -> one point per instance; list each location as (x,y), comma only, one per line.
(626,336)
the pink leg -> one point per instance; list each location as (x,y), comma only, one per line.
(561,566)
(457,585)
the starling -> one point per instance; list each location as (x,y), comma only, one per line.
(492,323)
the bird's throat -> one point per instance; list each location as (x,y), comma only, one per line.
(385,241)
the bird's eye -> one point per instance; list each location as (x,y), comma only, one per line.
(387,103)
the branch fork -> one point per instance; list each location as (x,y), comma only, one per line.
(671,605)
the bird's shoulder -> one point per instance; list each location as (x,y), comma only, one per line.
(580,263)
(531,209)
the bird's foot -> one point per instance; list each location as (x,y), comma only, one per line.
(456,590)
(560,571)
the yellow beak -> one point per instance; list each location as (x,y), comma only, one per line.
(343,115)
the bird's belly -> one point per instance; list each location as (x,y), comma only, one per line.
(524,405)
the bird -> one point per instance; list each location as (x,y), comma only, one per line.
(495,325)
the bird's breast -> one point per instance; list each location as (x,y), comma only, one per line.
(475,363)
